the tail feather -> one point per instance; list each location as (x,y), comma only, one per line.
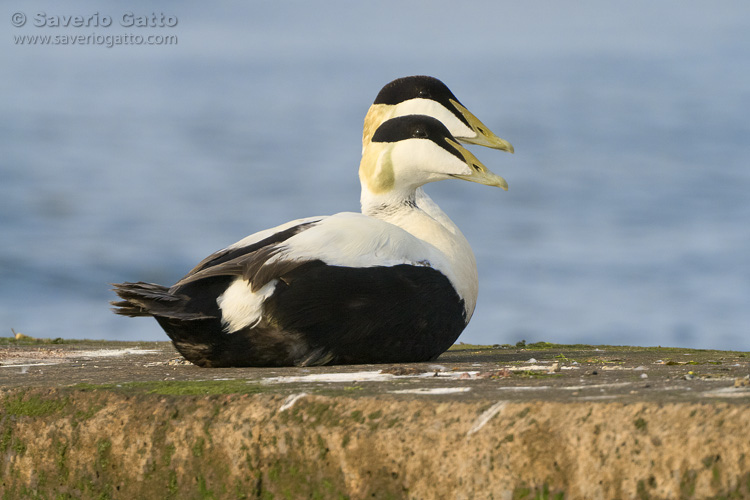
(150,299)
(140,299)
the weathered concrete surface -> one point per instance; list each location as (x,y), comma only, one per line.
(89,420)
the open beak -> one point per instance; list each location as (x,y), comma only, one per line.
(484,136)
(479,173)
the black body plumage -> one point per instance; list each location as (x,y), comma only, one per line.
(317,314)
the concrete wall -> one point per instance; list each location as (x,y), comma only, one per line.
(67,443)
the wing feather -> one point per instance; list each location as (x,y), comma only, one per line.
(244,261)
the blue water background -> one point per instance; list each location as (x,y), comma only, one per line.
(627,218)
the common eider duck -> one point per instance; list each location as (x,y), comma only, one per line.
(426,95)
(391,284)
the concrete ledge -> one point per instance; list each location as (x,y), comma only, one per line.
(539,421)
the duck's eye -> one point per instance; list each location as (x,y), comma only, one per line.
(419,133)
(424,93)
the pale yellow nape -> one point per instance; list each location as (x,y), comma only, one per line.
(376,115)
(376,168)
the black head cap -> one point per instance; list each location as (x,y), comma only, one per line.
(416,127)
(415,87)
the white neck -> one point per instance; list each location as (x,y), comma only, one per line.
(416,213)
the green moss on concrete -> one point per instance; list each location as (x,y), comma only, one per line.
(203,491)
(18,447)
(688,482)
(5,439)
(21,405)
(525,492)
(313,413)
(289,479)
(169,451)
(82,415)
(322,413)
(180,387)
(375,415)
(640,424)
(172,485)
(198,447)
(103,453)
(471,347)
(61,459)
